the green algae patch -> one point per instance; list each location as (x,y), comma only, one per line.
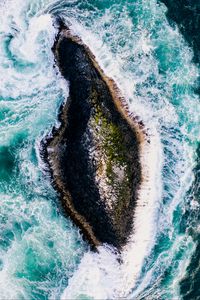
(113,152)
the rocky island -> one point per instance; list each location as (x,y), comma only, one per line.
(94,157)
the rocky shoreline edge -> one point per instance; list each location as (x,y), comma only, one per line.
(78,154)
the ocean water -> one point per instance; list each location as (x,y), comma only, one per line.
(42,254)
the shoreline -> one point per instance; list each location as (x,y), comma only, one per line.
(51,149)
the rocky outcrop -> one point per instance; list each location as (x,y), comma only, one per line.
(94,156)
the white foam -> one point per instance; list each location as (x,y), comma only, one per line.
(27,46)
(94,277)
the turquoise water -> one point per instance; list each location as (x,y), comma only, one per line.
(42,255)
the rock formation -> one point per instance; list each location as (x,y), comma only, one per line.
(94,156)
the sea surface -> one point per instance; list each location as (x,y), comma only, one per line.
(42,254)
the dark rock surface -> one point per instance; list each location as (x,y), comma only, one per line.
(94,155)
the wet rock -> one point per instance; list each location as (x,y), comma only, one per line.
(94,155)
